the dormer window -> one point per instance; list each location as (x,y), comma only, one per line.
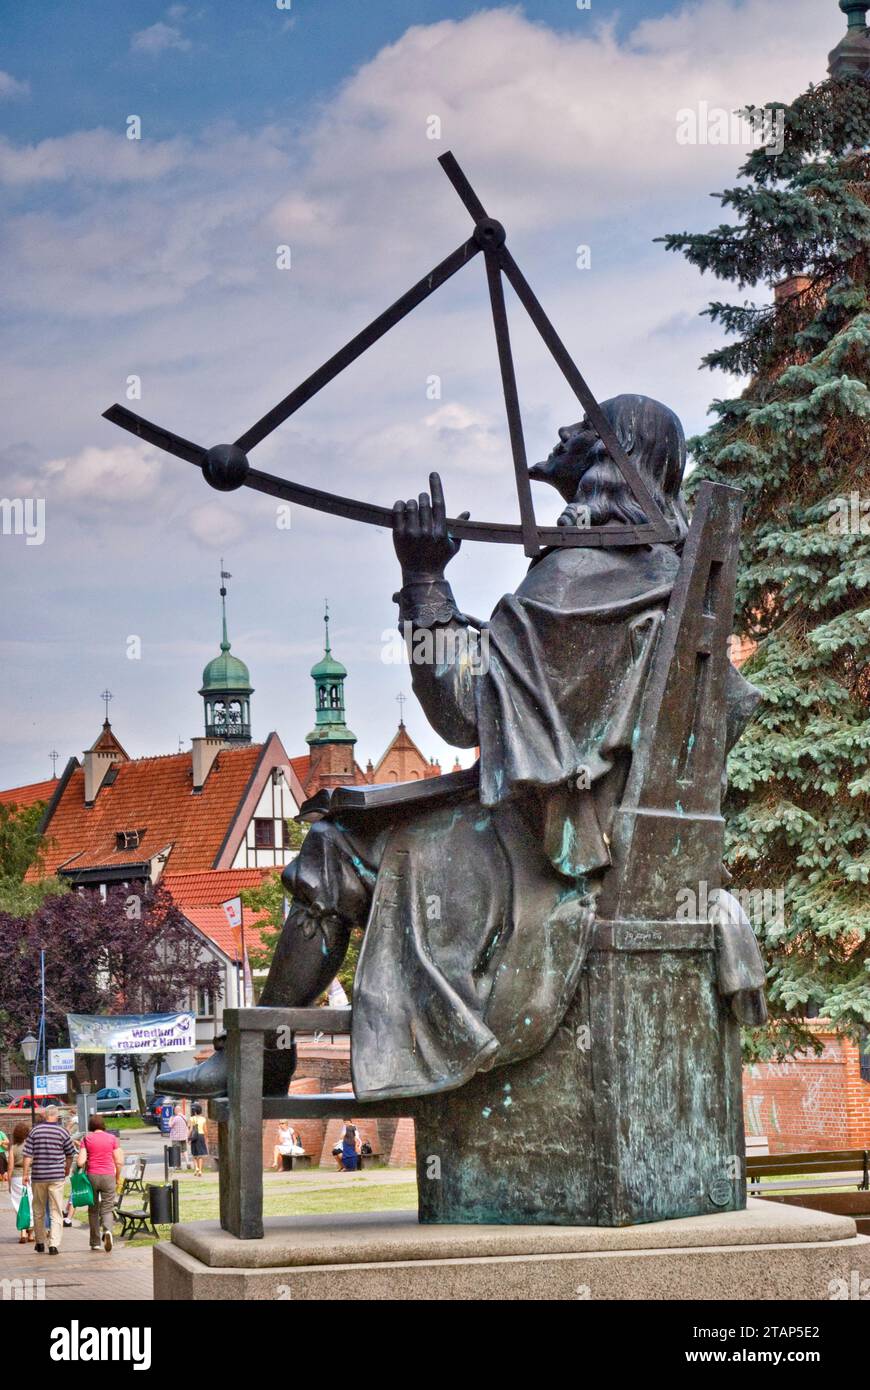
(128,839)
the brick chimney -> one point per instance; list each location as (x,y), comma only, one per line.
(99,758)
(204,751)
(96,765)
(790,286)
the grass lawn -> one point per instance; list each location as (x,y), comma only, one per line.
(126,1122)
(198,1197)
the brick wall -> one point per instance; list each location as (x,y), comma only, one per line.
(403,1149)
(810,1102)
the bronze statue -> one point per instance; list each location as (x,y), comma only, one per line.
(529,988)
(481,901)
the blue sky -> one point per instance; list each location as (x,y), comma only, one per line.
(310,127)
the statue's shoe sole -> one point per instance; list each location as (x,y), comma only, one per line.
(203,1082)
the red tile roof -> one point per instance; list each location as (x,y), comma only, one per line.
(211,888)
(26,796)
(153,795)
(212,922)
(300,766)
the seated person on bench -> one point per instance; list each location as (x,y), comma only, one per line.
(287,1145)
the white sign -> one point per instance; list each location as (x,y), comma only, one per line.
(61,1059)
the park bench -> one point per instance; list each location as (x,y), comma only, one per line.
(289,1162)
(801,1179)
(134,1173)
(133,1221)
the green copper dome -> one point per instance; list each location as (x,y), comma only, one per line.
(226,672)
(328,666)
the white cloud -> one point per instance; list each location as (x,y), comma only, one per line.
(94,479)
(11,87)
(160,37)
(215,525)
(98,156)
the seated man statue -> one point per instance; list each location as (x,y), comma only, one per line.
(479,903)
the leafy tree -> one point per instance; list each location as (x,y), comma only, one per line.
(269,897)
(797,441)
(127,954)
(19,849)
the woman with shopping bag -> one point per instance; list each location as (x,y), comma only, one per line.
(19,1194)
(102,1159)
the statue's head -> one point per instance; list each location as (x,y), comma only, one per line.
(582,471)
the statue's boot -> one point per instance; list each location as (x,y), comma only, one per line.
(308,956)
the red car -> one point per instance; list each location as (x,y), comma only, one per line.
(23,1102)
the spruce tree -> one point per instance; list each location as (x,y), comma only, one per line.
(797,441)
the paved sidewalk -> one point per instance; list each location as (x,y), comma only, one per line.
(75,1273)
(125,1275)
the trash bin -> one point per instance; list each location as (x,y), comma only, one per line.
(161,1204)
(174,1155)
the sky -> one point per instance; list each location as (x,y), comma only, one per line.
(283,190)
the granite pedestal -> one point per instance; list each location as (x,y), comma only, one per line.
(765,1252)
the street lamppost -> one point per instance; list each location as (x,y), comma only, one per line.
(28,1048)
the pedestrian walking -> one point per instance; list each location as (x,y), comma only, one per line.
(198,1142)
(179,1133)
(16,1178)
(102,1158)
(48,1154)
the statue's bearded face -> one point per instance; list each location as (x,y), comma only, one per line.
(579,449)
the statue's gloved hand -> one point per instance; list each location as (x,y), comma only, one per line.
(422,541)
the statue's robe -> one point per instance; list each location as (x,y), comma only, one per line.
(481,908)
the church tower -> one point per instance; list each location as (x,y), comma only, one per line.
(331,743)
(226,689)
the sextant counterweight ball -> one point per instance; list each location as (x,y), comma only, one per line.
(225,467)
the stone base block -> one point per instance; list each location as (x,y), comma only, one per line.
(767,1251)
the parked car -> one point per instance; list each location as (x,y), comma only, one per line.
(152,1110)
(23,1102)
(114,1100)
(6,1098)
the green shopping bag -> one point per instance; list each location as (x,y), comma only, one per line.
(82,1194)
(22,1220)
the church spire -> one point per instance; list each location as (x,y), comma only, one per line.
(225,574)
(226,687)
(329,676)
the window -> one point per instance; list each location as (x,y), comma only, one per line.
(204,1003)
(864,1054)
(128,839)
(264,834)
(335,697)
(322,697)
